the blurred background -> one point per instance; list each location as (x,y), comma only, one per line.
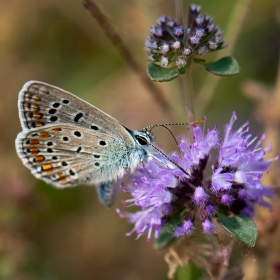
(47,233)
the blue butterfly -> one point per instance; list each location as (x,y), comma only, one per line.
(68,142)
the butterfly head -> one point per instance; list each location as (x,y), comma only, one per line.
(143,137)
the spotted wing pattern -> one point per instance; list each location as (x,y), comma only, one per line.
(68,142)
(41,104)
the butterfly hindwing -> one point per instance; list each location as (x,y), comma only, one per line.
(64,155)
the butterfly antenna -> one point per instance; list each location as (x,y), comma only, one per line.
(177,165)
(174,140)
(169,131)
(150,127)
(173,124)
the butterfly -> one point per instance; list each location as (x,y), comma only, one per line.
(66,141)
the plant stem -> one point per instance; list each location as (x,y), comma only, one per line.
(233,29)
(127,55)
(188,93)
(187,83)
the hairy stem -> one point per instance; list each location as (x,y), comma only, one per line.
(188,93)
(127,55)
(187,83)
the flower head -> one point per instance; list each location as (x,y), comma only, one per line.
(170,42)
(166,188)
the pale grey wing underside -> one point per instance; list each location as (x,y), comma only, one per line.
(65,155)
(41,104)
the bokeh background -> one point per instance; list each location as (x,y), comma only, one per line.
(47,233)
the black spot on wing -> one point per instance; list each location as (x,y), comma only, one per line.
(78,117)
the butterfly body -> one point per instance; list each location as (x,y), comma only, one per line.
(68,142)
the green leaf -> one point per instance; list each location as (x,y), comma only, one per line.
(226,66)
(166,237)
(240,227)
(160,74)
(189,271)
(182,70)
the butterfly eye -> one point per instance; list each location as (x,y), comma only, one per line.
(141,140)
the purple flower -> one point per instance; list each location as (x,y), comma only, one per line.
(210,210)
(208,227)
(200,197)
(147,221)
(221,181)
(186,228)
(227,199)
(165,189)
(170,42)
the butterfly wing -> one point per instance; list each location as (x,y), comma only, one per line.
(65,155)
(67,142)
(41,104)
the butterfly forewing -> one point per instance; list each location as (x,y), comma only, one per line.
(41,104)
(67,156)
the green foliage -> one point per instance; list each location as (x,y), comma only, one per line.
(226,66)
(166,238)
(188,272)
(240,227)
(160,74)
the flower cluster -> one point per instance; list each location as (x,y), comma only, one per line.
(171,42)
(164,188)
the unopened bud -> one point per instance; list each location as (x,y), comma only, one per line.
(164,61)
(187,51)
(181,61)
(176,45)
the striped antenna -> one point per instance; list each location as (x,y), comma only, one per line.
(173,124)
(150,127)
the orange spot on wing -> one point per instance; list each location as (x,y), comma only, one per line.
(37,98)
(47,167)
(62,179)
(34,151)
(34,142)
(37,116)
(35,107)
(56,129)
(39,158)
(44,134)
(38,124)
